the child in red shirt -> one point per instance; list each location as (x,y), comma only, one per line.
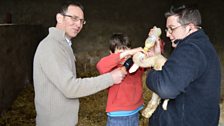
(125,100)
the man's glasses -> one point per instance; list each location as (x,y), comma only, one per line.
(75,18)
(171,30)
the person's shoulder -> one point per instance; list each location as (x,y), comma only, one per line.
(49,44)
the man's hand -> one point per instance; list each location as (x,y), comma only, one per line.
(156,49)
(118,75)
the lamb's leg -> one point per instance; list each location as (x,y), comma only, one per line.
(155,100)
(152,105)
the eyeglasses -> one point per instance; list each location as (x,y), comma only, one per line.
(75,18)
(171,30)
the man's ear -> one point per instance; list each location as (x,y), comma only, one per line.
(192,26)
(59,18)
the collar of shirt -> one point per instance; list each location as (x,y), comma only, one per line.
(68,41)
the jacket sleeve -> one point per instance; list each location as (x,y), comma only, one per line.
(108,63)
(186,63)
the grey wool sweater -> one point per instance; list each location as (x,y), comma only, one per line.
(57,89)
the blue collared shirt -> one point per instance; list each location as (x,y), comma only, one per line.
(68,41)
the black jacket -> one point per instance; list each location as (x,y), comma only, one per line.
(191,78)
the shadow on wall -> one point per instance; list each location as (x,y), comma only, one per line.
(17,47)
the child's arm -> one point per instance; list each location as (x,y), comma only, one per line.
(108,63)
(112,61)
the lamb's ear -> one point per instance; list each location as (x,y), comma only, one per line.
(133,68)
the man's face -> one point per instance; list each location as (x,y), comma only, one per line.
(175,30)
(73,21)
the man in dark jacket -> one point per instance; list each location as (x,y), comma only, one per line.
(191,76)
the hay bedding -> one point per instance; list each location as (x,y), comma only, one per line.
(92,110)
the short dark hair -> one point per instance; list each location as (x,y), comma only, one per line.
(187,13)
(67,3)
(119,41)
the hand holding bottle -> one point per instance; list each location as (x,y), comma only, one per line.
(152,38)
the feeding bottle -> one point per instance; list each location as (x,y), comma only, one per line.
(150,41)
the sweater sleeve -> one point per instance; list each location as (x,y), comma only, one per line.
(186,63)
(108,63)
(57,66)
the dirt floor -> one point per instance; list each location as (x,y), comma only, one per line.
(92,110)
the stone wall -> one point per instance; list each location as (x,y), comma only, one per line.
(18,44)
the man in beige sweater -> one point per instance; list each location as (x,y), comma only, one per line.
(57,88)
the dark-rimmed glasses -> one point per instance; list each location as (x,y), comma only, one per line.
(171,30)
(75,18)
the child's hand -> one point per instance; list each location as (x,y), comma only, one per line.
(130,52)
(135,50)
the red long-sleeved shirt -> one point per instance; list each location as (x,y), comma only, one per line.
(128,94)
